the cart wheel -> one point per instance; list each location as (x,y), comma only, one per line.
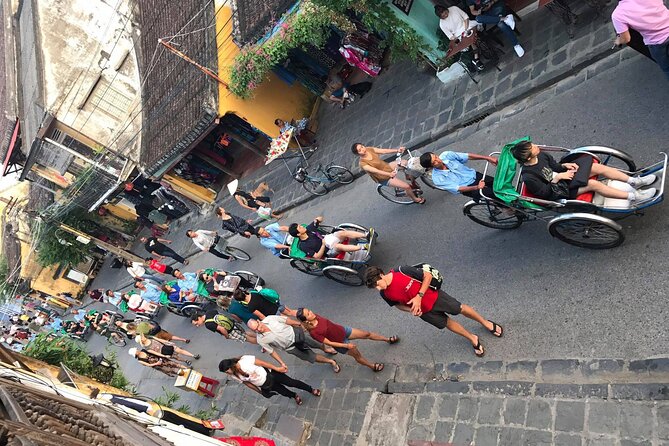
(311,268)
(143,317)
(314,187)
(117,339)
(492,214)
(587,231)
(393,194)
(189,310)
(343,275)
(340,174)
(427,179)
(174,310)
(607,156)
(237,253)
(251,277)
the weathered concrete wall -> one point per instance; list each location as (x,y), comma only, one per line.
(91,79)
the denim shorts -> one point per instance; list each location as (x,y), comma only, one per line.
(348,331)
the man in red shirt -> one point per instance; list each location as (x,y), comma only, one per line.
(338,336)
(412,289)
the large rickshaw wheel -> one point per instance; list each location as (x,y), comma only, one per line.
(343,275)
(492,214)
(251,277)
(607,156)
(189,310)
(311,268)
(352,227)
(587,231)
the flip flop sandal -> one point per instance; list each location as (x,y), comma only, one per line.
(495,326)
(422,201)
(316,392)
(336,367)
(298,400)
(393,340)
(378,367)
(478,347)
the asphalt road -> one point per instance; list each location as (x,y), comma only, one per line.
(554,300)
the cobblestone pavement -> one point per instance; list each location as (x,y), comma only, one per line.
(413,108)
(608,402)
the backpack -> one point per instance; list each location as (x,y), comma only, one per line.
(437,278)
(222,321)
(268,294)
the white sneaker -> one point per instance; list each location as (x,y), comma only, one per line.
(519,50)
(509,20)
(644,194)
(638,182)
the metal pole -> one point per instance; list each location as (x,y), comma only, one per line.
(202,68)
(104,245)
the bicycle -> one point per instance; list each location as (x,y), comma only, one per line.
(237,253)
(316,183)
(412,170)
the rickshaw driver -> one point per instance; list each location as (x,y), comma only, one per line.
(273,238)
(315,245)
(451,173)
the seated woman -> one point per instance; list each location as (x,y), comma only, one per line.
(136,303)
(541,171)
(177,295)
(305,136)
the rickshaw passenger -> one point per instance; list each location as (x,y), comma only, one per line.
(315,245)
(450,173)
(541,175)
(178,296)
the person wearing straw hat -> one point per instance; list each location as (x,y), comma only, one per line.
(164,365)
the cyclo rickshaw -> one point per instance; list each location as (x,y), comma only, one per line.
(342,267)
(589,221)
(213,291)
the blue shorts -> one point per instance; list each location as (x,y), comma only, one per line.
(348,331)
(384,182)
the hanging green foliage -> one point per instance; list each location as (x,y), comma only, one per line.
(310,25)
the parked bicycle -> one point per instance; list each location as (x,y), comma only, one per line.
(412,170)
(317,181)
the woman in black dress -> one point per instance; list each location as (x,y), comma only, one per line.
(254,200)
(540,170)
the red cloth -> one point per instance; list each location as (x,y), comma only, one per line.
(247,441)
(327,329)
(157,266)
(403,288)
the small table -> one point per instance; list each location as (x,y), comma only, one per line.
(194,381)
(464,43)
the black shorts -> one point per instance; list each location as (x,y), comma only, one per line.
(167,350)
(443,306)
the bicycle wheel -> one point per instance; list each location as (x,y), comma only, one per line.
(117,339)
(311,268)
(492,215)
(340,174)
(426,178)
(237,253)
(314,187)
(394,194)
(587,231)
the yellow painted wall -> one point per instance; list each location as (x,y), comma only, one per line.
(273,99)
(45,283)
(193,191)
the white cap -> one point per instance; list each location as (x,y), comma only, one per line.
(132,351)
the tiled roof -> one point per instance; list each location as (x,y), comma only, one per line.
(176,97)
(252,18)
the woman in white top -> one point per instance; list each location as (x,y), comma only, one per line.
(139,271)
(454,22)
(265,378)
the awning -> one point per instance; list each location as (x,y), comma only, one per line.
(12,145)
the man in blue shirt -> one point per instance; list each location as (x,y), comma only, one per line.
(450,173)
(186,281)
(148,291)
(273,237)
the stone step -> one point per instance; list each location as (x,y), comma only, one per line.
(291,430)
(550,371)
